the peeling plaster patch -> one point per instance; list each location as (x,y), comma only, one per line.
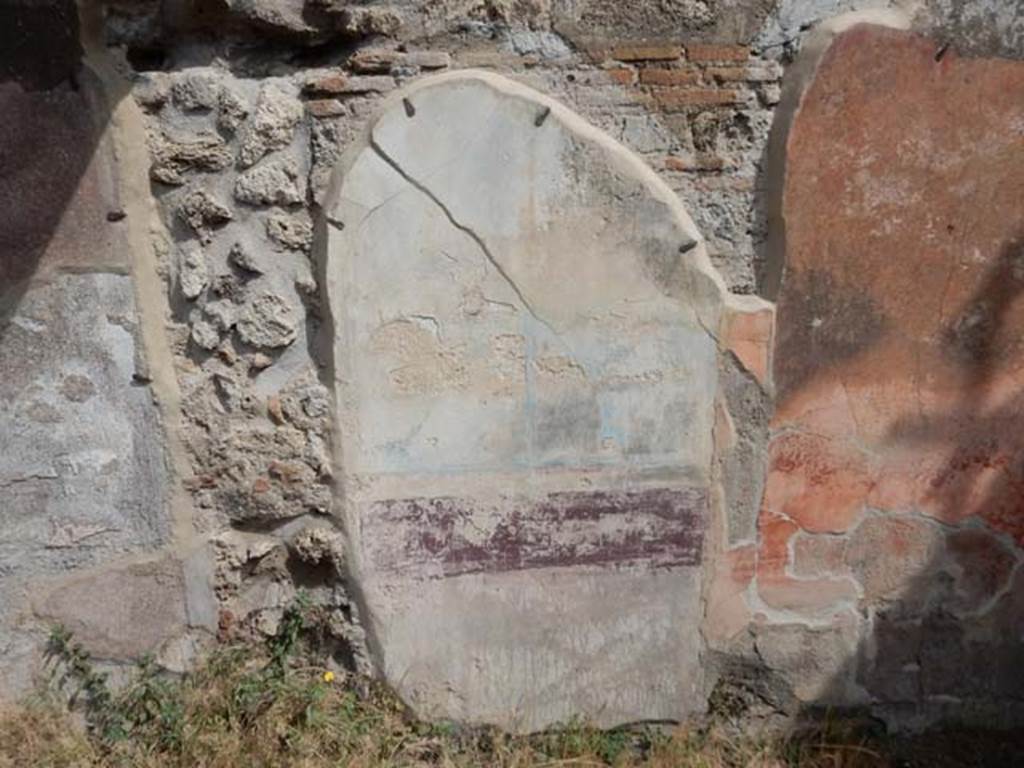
(77,388)
(93,431)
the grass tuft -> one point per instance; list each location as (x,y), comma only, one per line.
(272,707)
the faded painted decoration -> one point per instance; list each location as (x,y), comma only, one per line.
(893,503)
(526,371)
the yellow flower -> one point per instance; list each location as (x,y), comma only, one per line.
(328,676)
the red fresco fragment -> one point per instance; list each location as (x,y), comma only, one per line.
(900,323)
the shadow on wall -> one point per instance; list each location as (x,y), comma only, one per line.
(958,629)
(948,644)
(891,537)
(52,184)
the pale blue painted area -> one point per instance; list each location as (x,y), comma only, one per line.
(651,399)
(494,243)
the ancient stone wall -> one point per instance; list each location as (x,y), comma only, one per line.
(449,315)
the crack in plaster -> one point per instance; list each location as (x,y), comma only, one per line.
(28,479)
(711,335)
(468,231)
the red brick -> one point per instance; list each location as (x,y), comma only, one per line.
(677,164)
(695,97)
(728,74)
(335,83)
(325,108)
(597,50)
(622,75)
(274,409)
(700,162)
(717,52)
(669,76)
(374,60)
(646,52)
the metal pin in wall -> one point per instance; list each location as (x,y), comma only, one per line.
(410,110)
(539,121)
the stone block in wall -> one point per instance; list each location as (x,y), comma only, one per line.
(428,59)
(763,73)
(640,21)
(819,662)
(338,83)
(325,108)
(666,52)
(375,60)
(123,612)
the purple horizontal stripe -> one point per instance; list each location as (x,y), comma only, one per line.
(448,536)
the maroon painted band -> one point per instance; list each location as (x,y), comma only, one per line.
(449,536)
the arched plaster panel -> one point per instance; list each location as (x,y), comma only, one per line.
(526,364)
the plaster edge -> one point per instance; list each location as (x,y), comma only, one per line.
(795,81)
